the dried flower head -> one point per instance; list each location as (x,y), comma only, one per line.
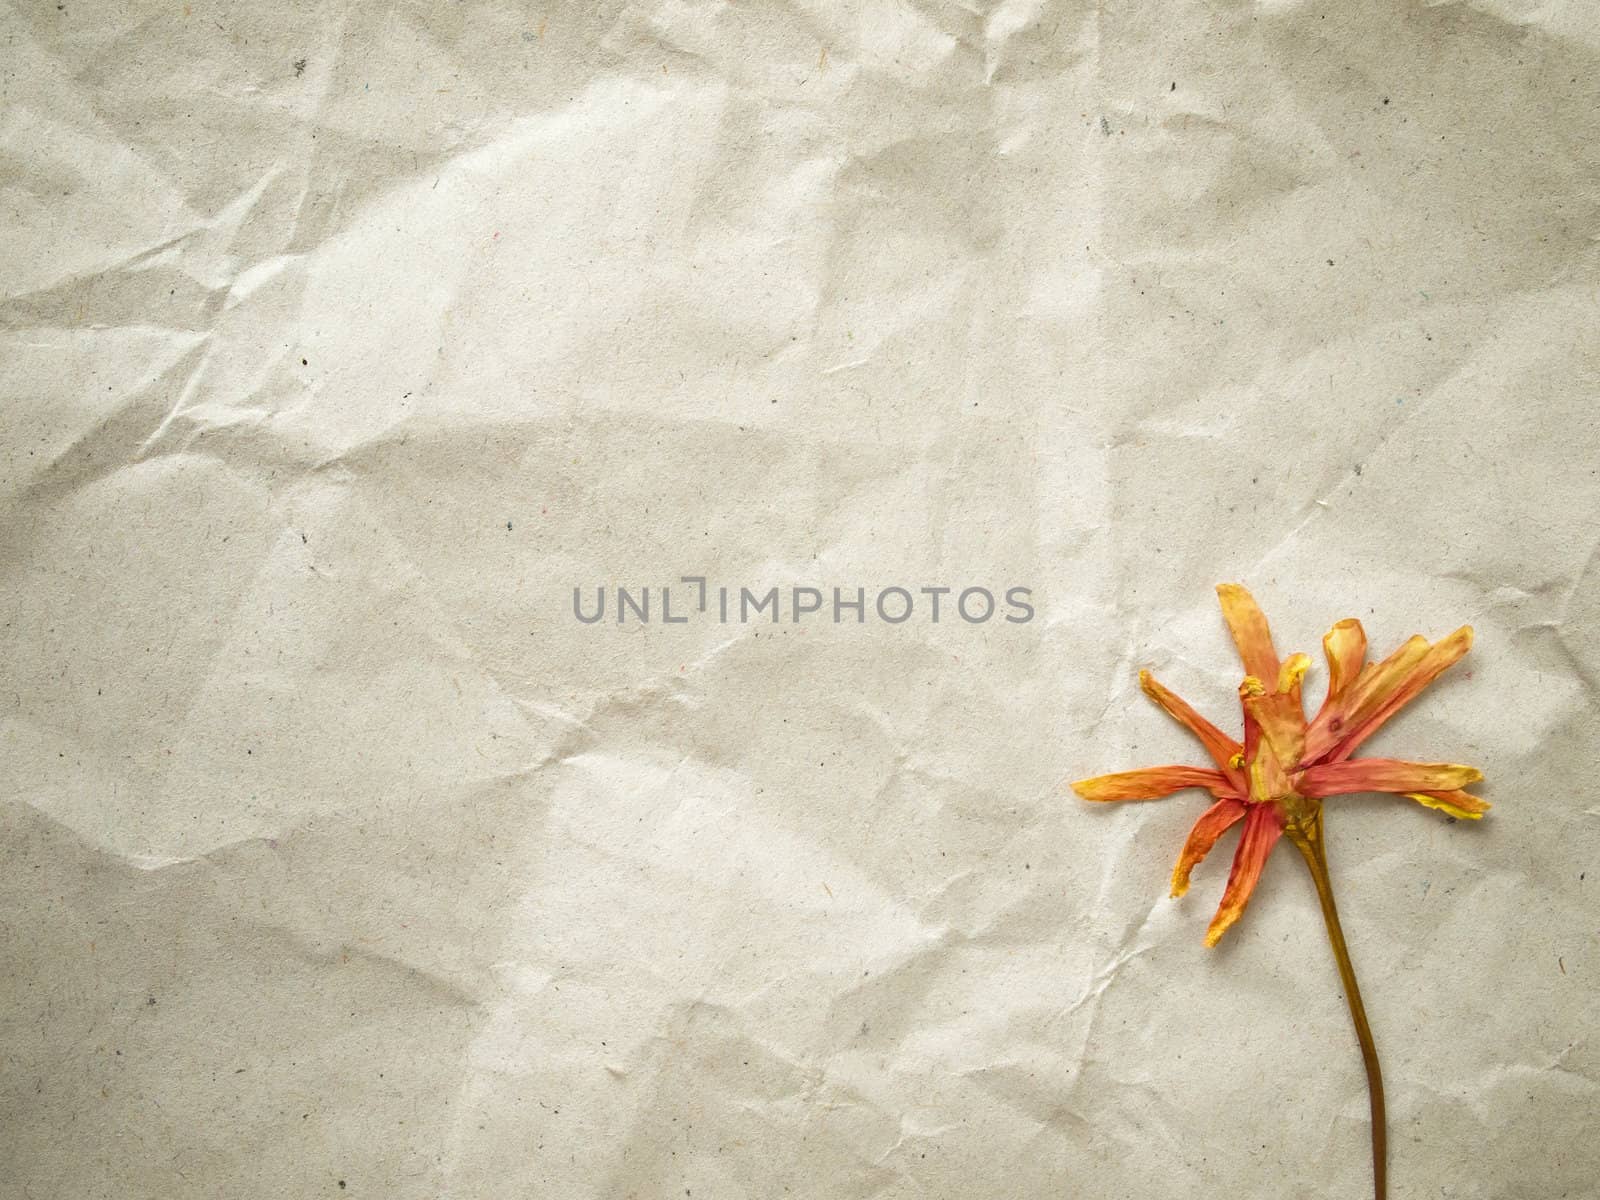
(1276,779)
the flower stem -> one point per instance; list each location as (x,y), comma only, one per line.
(1308,839)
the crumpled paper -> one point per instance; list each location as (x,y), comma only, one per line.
(343,342)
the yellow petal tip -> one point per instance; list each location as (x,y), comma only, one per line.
(1463,806)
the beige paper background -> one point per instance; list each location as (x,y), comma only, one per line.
(338,860)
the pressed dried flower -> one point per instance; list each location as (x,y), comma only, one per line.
(1275,780)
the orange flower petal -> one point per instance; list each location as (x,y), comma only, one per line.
(1222,748)
(1262,828)
(1249,628)
(1250,689)
(1384,775)
(1345,646)
(1380,691)
(1268,778)
(1457,804)
(1378,705)
(1280,715)
(1290,676)
(1213,823)
(1361,697)
(1149,783)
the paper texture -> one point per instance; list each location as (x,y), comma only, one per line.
(342,342)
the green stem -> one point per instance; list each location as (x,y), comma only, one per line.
(1308,838)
